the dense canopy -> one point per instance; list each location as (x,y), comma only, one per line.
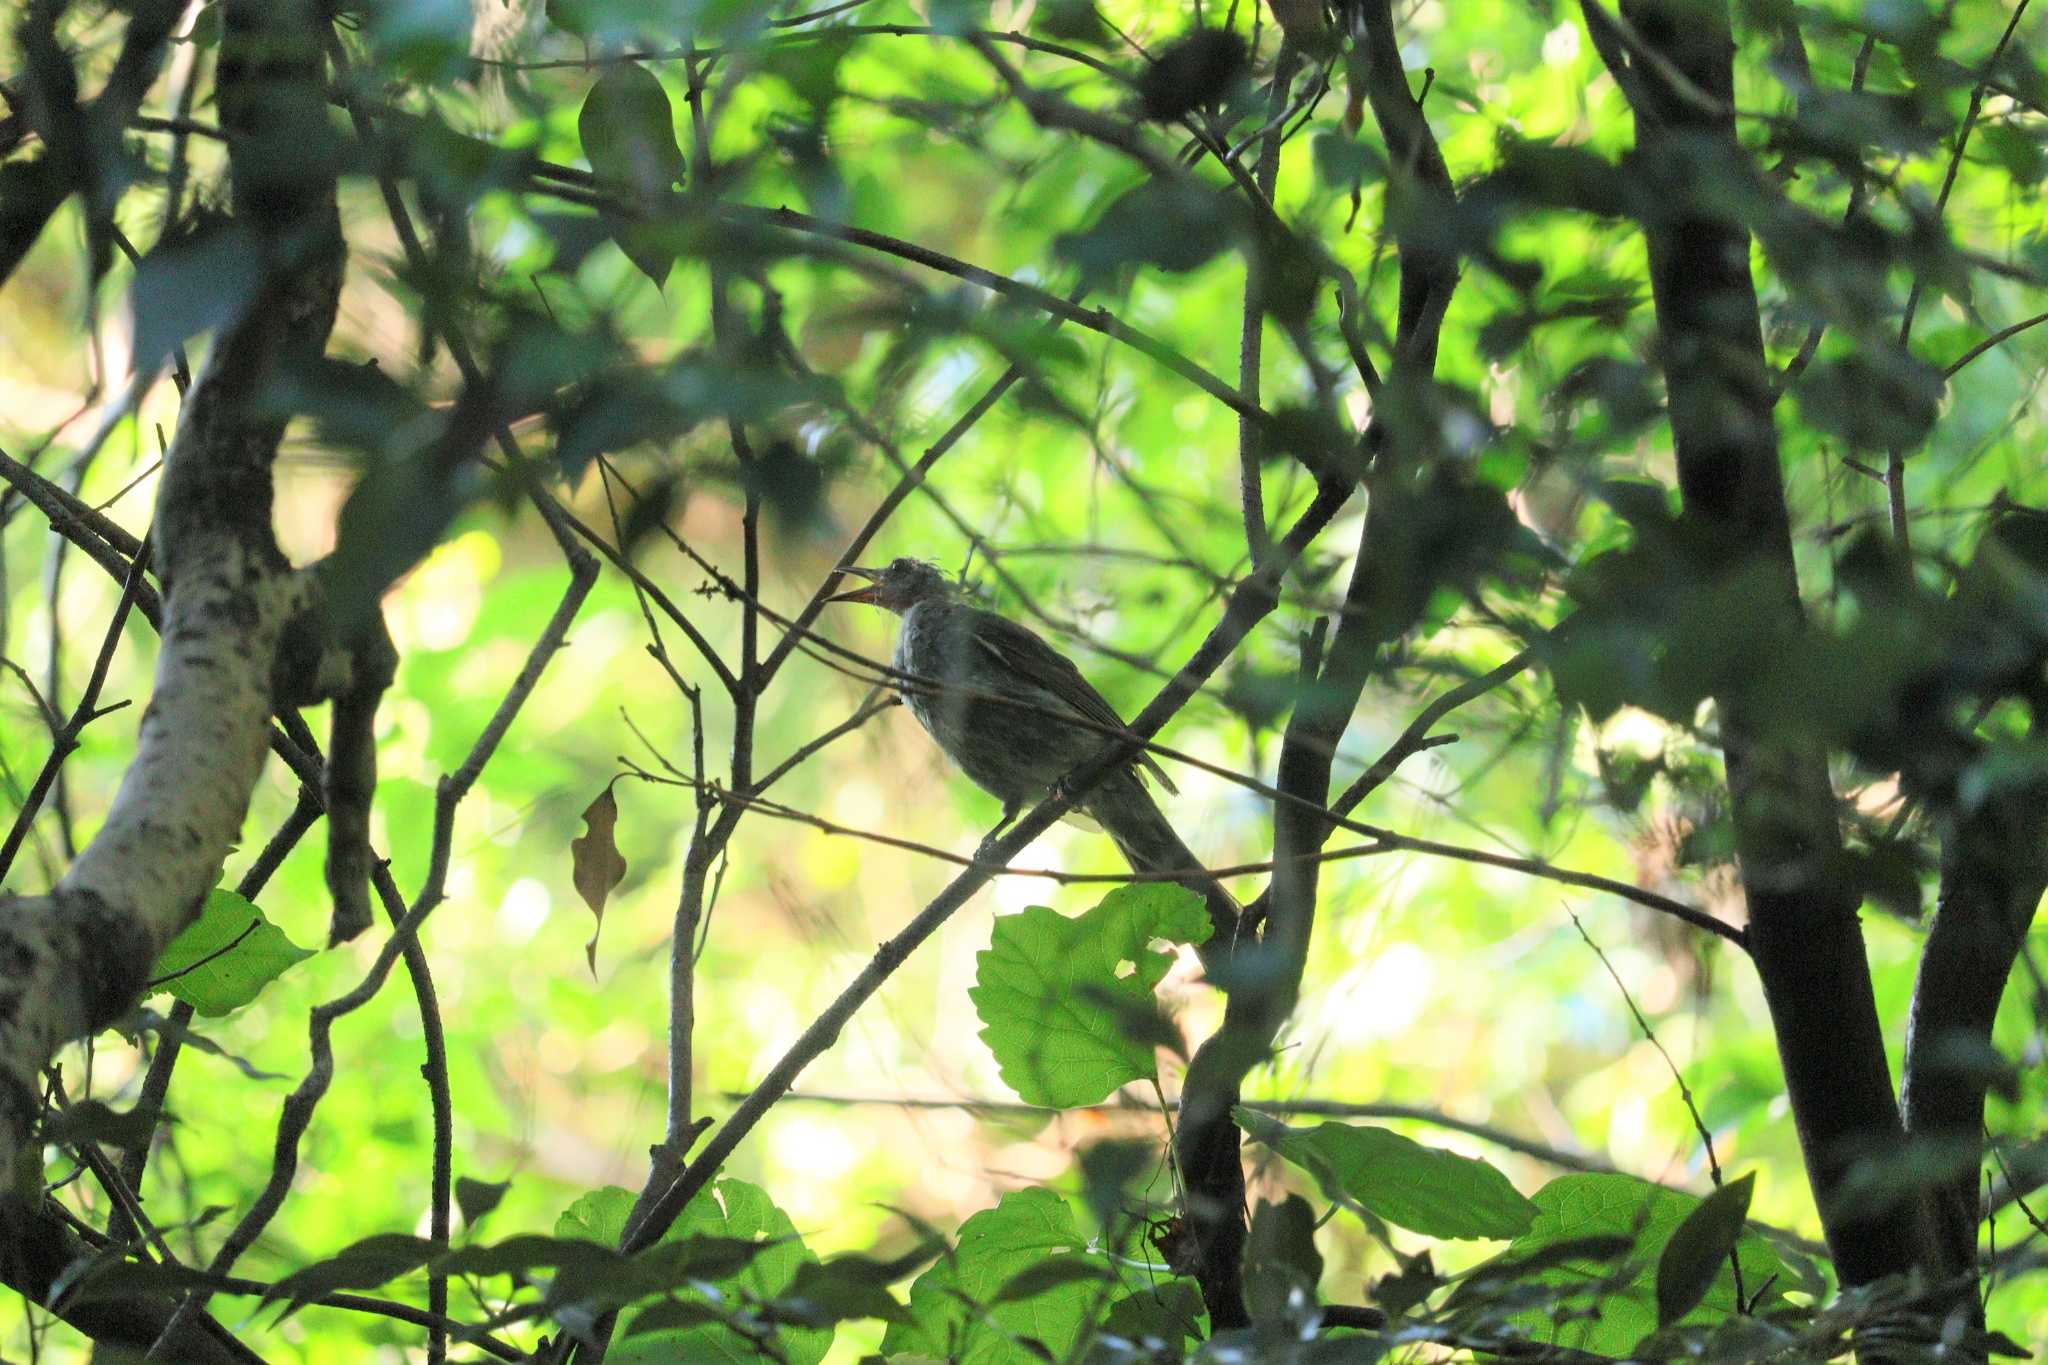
(1557,489)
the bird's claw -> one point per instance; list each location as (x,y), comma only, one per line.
(985,851)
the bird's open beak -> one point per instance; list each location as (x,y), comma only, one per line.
(866,594)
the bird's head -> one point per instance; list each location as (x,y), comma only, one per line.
(899,586)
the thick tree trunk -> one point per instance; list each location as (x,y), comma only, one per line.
(72,961)
(1265,976)
(1804,932)
(1994,866)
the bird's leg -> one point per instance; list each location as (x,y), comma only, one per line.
(1078,809)
(984,852)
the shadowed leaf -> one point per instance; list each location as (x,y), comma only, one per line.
(629,136)
(478,1197)
(198,282)
(92,1121)
(1204,67)
(1699,1249)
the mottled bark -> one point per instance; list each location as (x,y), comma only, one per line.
(73,961)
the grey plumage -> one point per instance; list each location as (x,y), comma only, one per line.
(993,694)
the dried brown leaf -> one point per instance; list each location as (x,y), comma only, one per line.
(596,864)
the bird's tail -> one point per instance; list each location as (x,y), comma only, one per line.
(1127,814)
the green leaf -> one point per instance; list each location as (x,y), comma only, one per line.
(1054,1272)
(628,130)
(225,957)
(587,1276)
(1111,1171)
(629,136)
(973,1308)
(1698,1250)
(848,1287)
(599,1216)
(1408,1287)
(528,1252)
(1199,68)
(671,1315)
(1608,1306)
(1424,1189)
(2018,149)
(1345,162)
(1169,1311)
(1070,21)
(107,1276)
(736,1214)
(424,39)
(578,17)
(1067,1019)
(1873,401)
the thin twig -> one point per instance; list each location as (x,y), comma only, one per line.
(1685,1094)
(1499,1137)
(836,32)
(65,741)
(1416,737)
(1895,456)
(1996,339)
(868,710)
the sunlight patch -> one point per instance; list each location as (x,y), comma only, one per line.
(524,909)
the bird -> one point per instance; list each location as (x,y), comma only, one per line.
(992,694)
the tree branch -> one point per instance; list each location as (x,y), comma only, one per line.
(1803,932)
(91,135)
(76,957)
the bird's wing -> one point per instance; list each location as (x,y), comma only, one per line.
(1020,650)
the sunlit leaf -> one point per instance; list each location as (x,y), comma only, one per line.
(225,957)
(955,1309)
(738,1213)
(1058,1004)
(1421,1188)
(599,1216)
